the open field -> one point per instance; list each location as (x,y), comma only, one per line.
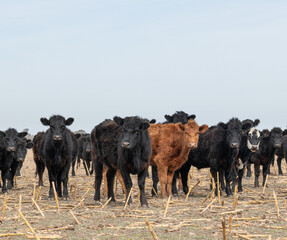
(254,216)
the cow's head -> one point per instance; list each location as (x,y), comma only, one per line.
(179,117)
(11,138)
(57,125)
(253,139)
(132,128)
(276,136)
(86,145)
(265,133)
(21,149)
(234,130)
(192,131)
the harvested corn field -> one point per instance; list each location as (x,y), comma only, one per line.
(252,214)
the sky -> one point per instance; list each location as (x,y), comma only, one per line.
(95,59)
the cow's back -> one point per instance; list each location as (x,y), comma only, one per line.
(104,142)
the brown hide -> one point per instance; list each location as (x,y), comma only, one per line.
(171,144)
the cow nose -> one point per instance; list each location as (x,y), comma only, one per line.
(88,151)
(234,145)
(277,145)
(11,149)
(126,145)
(20,160)
(192,145)
(57,138)
(254,148)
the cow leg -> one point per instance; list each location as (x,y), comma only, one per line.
(162,175)
(40,170)
(240,175)
(110,179)
(98,180)
(227,179)
(265,172)
(257,174)
(59,186)
(141,184)
(128,182)
(169,181)
(51,179)
(184,178)
(64,179)
(174,188)
(248,169)
(121,181)
(4,175)
(18,174)
(154,180)
(13,169)
(279,161)
(105,171)
(73,167)
(221,179)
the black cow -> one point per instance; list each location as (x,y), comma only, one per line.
(21,151)
(265,154)
(58,150)
(38,156)
(282,152)
(121,144)
(179,116)
(217,148)
(84,145)
(8,161)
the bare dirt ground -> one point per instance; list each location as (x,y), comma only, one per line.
(254,216)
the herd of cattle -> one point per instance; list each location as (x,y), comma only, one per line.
(130,145)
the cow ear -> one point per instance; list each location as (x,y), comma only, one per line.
(223,125)
(22,134)
(256,122)
(168,118)
(2,134)
(181,126)
(29,145)
(193,116)
(119,120)
(144,125)
(77,135)
(69,121)
(246,126)
(203,128)
(152,121)
(45,121)
(285,132)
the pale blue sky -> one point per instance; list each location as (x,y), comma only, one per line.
(93,60)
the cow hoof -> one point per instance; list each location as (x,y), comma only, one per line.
(144,205)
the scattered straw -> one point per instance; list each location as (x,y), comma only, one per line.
(166,207)
(56,196)
(151,229)
(29,226)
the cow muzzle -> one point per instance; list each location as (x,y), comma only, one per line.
(234,145)
(11,149)
(277,145)
(20,160)
(88,151)
(192,145)
(253,148)
(126,145)
(57,138)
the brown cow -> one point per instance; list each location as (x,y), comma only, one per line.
(171,144)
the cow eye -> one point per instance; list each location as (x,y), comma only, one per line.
(52,127)
(137,131)
(63,127)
